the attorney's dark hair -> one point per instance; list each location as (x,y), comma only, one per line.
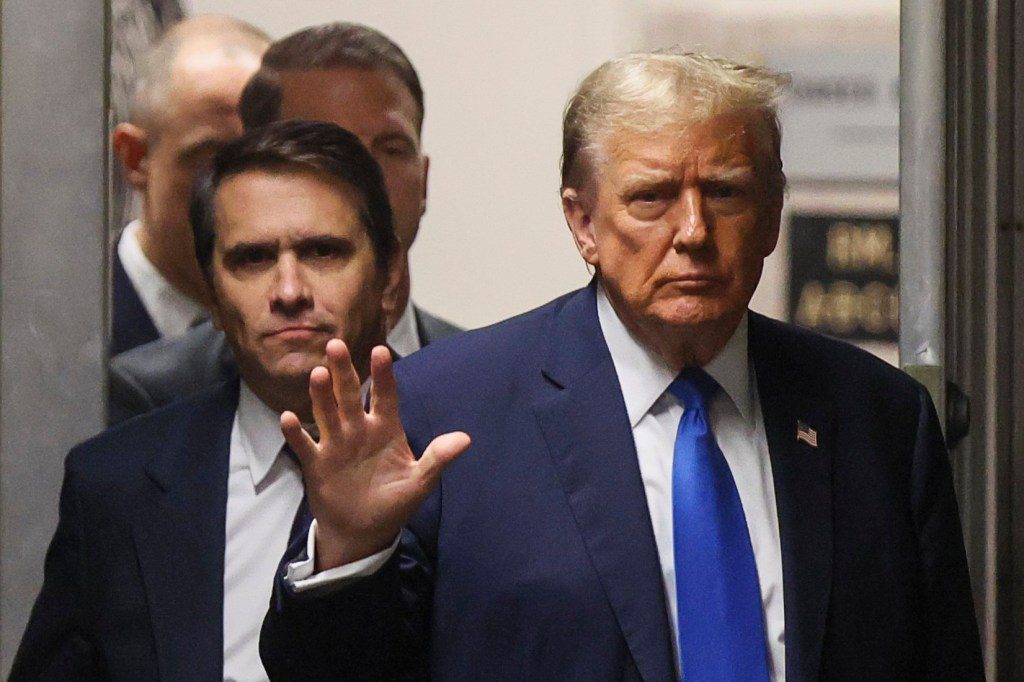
(288,146)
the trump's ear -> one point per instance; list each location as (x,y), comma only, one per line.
(578,217)
(131,149)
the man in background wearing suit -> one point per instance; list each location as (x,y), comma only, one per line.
(347,74)
(183,108)
(171,526)
(660,482)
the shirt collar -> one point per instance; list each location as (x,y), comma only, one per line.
(260,434)
(171,311)
(404,339)
(644,376)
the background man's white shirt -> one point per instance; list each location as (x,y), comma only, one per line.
(172,312)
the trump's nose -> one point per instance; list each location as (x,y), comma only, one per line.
(687,216)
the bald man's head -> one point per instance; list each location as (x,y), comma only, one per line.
(187,48)
(184,108)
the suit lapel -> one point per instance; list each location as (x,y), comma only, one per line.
(803,492)
(179,537)
(586,427)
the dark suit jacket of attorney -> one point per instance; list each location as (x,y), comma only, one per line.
(134,577)
(169,369)
(536,558)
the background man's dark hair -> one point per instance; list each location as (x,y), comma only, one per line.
(325,47)
(311,146)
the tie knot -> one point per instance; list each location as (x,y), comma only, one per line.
(694,388)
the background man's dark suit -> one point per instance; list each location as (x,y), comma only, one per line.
(132,326)
(535,559)
(133,585)
(169,369)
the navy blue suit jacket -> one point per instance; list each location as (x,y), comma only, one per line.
(131,325)
(536,559)
(133,585)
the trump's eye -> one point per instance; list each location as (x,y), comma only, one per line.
(647,197)
(724,190)
(649,203)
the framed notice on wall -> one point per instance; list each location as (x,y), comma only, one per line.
(844,275)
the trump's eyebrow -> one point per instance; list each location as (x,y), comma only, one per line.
(730,174)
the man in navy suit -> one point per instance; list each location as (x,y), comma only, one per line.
(655,481)
(172,524)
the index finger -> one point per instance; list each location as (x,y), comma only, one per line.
(384,391)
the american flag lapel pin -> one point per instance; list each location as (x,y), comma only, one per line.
(806,434)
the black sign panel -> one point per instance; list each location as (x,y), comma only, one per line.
(844,275)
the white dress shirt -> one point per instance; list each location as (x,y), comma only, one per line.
(264,492)
(654,414)
(735,415)
(404,338)
(172,312)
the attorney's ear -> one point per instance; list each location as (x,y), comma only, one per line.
(393,279)
(577,209)
(132,149)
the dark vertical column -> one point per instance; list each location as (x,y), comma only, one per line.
(52,273)
(1014,657)
(983,274)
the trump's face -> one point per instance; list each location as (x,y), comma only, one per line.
(677,224)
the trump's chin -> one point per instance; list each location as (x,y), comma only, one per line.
(693,314)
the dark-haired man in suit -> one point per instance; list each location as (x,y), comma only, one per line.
(171,525)
(356,77)
(660,483)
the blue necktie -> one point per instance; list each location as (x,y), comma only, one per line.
(721,629)
(302,519)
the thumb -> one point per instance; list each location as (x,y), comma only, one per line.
(441,452)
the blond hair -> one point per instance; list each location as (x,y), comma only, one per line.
(650,91)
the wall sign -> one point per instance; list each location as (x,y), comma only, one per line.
(844,275)
(840,118)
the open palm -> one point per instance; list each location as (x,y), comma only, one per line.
(362,480)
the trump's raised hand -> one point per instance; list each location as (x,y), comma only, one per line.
(362,480)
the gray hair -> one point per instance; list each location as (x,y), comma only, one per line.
(646,92)
(227,35)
